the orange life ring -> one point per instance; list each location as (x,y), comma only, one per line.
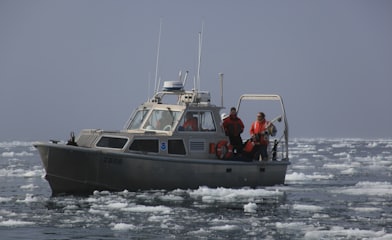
(224,150)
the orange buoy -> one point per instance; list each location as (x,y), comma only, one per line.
(224,150)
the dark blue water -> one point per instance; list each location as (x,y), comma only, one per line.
(335,189)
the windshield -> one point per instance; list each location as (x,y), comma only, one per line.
(138,119)
(164,120)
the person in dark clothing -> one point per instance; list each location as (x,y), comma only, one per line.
(233,127)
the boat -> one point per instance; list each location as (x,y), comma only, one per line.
(152,154)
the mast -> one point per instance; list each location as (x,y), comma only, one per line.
(221,87)
(156,84)
(199,56)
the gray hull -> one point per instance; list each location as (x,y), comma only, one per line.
(78,170)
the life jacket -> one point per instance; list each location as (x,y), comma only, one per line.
(259,131)
(191,125)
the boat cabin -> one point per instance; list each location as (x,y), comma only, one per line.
(176,123)
(190,126)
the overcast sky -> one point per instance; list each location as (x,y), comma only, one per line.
(70,65)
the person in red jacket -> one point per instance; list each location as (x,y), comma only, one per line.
(259,132)
(233,127)
(190,123)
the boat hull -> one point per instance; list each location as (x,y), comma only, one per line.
(78,170)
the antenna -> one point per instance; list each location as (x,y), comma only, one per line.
(199,55)
(159,84)
(149,85)
(180,76)
(185,78)
(156,84)
(221,85)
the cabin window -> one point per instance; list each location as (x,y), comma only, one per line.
(138,118)
(145,145)
(112,142)
(163,120)
(197,121)
(176,146)
(207,121)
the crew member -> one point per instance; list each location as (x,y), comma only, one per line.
(233,127)
(190,123)
(259,132)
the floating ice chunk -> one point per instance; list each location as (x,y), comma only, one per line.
(335,165)
(8,154)
(98,212)
(200,232)
(250,207)
(34,173)
(142,208)
(367,209)
(232,195)
(29,198)
(160,218)
(5,199)
(28,186)
(340,233)
(304,207)
(349,171)
(24,154)
(292,225)
(171,197)
(341,145)
(123,227)
(15,223)
(226,227)
(295,176)
(117,205)
(302,177)
(367,188)
(372,144)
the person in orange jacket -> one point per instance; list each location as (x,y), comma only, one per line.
(233,127)
(190,123)
(259,132)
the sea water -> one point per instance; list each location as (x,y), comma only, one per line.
(335,189)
